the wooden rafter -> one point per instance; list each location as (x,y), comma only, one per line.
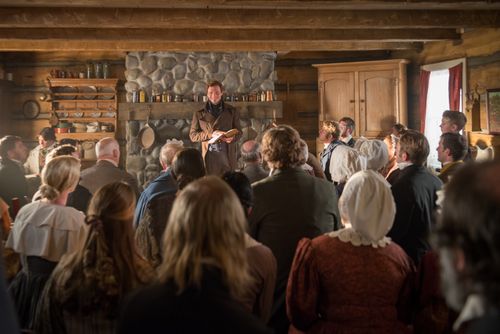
(8,44)
(267,4)
(244,18)
(233,35)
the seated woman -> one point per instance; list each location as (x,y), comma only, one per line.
(204,269)
(80,197)
(354,280)
(258,298)
(43,232)
(87,287)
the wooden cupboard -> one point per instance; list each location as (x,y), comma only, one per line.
(372,93)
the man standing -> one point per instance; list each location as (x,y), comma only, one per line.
(36,158)
(106,168)
(467,241)
(451,150)
(13,183)
(329,136)
(415,195)
(289,205)
(452,121)
(212,121)
(346,127)
(252,159)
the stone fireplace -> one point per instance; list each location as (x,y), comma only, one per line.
(186,75)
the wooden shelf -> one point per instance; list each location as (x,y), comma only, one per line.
(76,82)
(185,110)
(74,111)
(80,100)
(85,135)
(88,119)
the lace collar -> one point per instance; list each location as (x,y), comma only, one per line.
(356,239)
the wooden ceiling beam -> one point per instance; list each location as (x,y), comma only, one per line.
(243,18)
(233,35)
(263,4)
(9,44)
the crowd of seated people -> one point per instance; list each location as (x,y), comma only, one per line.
(347,243)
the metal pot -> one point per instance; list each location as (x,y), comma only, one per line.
(147,135)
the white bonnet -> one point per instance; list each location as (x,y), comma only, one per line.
(376,154)
(345,161)
(367,205)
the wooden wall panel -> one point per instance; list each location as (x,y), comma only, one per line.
(297,88)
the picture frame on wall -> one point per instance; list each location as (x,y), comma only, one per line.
(493,110)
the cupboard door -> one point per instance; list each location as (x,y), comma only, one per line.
(378,102)
(338,96)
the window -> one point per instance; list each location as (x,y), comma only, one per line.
(438,101)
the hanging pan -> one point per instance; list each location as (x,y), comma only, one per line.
(147,135)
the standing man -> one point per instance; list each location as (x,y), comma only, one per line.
(346,127)
(453,121)
(329,135)
(36,158)
(451,151)
(288,206)
(13,183)
(415,195)
(212,121)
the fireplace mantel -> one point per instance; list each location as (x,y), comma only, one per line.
(185,110)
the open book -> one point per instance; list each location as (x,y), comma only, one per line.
(227,134)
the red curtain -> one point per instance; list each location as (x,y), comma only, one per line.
(424,87)
(454,86)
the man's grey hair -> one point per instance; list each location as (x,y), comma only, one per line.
(252,155)
(169,150)
(106,146)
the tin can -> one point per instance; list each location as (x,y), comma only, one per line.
(98,70)
(105,70)
(135,96)
(89,70)
(269,95)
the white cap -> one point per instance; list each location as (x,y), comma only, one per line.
(376,154)
(367,205)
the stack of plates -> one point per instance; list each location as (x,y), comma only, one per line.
(93,127)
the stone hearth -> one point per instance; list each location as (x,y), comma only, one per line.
(186,75)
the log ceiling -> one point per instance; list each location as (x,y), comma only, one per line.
(231,25)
